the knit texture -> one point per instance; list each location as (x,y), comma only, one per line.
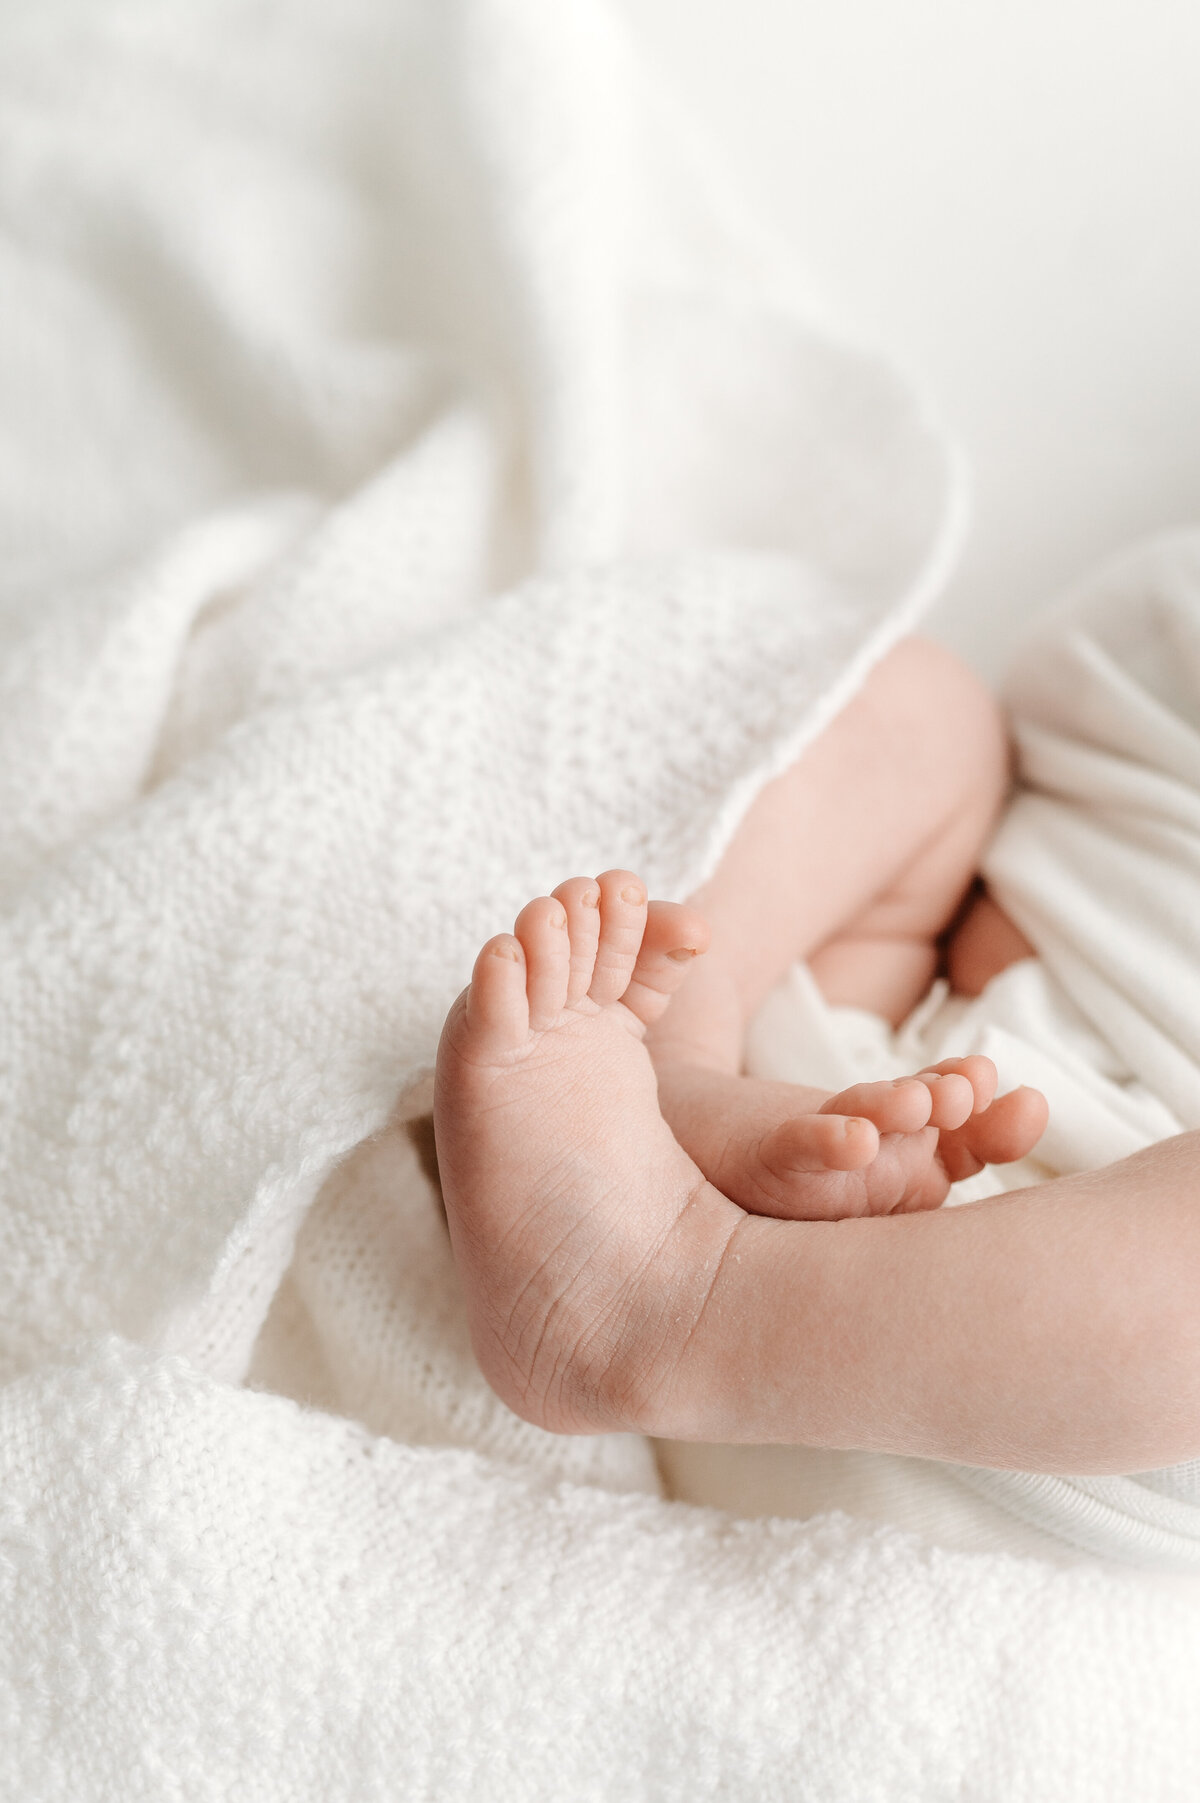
(418,483)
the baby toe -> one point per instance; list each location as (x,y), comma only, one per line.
(580,897)
(952,1098)
(541,928)
(622,925)
(979,1071)
(902,1106)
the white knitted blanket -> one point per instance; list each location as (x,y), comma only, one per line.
(415,484)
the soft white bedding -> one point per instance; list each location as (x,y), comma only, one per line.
(323,327)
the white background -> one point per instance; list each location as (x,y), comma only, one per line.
(1005,194)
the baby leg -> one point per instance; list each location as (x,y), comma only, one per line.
(608,1285)
(984,942)
(858,859)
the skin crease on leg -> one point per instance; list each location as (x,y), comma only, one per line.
(611,1281)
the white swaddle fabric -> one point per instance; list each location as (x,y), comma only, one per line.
(415,484)
(1099,862)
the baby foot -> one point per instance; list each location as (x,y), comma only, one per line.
(877,1148)
(585,1237)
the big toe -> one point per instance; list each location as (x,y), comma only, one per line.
(808,1168)
(819,1142)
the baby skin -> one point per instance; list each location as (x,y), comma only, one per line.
(649,1240)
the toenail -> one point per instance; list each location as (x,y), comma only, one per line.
(508,948)
(899,1082)
(558,920)
(681,952)
(633,892)
(591,899)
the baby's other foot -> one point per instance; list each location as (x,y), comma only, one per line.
(585,1238)
(876,1148)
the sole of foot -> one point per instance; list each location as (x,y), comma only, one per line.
(585,1237)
